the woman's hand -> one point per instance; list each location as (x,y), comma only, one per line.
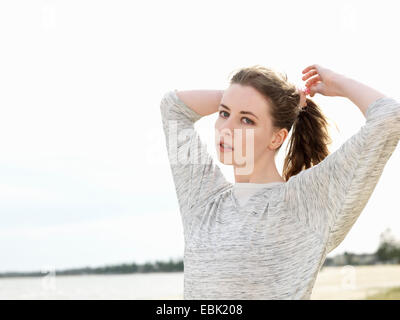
(332,84)
(321,80)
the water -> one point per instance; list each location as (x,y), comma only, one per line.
(346,282)
(132,286)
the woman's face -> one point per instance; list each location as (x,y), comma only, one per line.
(245,125)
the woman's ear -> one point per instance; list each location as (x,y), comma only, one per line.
(278,138)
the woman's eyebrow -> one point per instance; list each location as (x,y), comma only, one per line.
(241,112)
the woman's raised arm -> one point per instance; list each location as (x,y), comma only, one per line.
(195,174)
(330,196)
(203,102)
(329,83)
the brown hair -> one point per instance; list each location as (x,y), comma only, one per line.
(309,139)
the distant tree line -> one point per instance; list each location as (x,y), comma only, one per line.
(389,248)
(387,252)
(157,266)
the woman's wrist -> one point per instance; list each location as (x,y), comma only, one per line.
(359,93)
(341,85)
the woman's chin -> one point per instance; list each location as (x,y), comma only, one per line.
(225,158)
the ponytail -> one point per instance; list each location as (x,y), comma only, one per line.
(308,142)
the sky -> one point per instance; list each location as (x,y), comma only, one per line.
(84,173)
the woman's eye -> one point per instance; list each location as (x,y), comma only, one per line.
(220,113)
(251,121)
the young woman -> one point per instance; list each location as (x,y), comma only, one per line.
(267,236)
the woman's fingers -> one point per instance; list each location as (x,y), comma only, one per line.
(309,74)
(320,80)
(313,66)
(314,83)
(311,81)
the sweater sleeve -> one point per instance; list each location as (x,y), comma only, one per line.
(195,174)
(330,196)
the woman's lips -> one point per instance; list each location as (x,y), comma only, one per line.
(225,148)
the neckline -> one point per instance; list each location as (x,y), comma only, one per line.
(247,208)
(256,185)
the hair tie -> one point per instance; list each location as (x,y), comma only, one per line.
(303,98)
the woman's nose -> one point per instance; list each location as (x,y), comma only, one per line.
(227,128)
(226,133)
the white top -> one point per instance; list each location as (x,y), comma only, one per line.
(244,190)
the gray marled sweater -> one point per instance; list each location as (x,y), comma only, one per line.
(274,246)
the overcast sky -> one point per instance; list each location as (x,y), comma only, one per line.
(84,174)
